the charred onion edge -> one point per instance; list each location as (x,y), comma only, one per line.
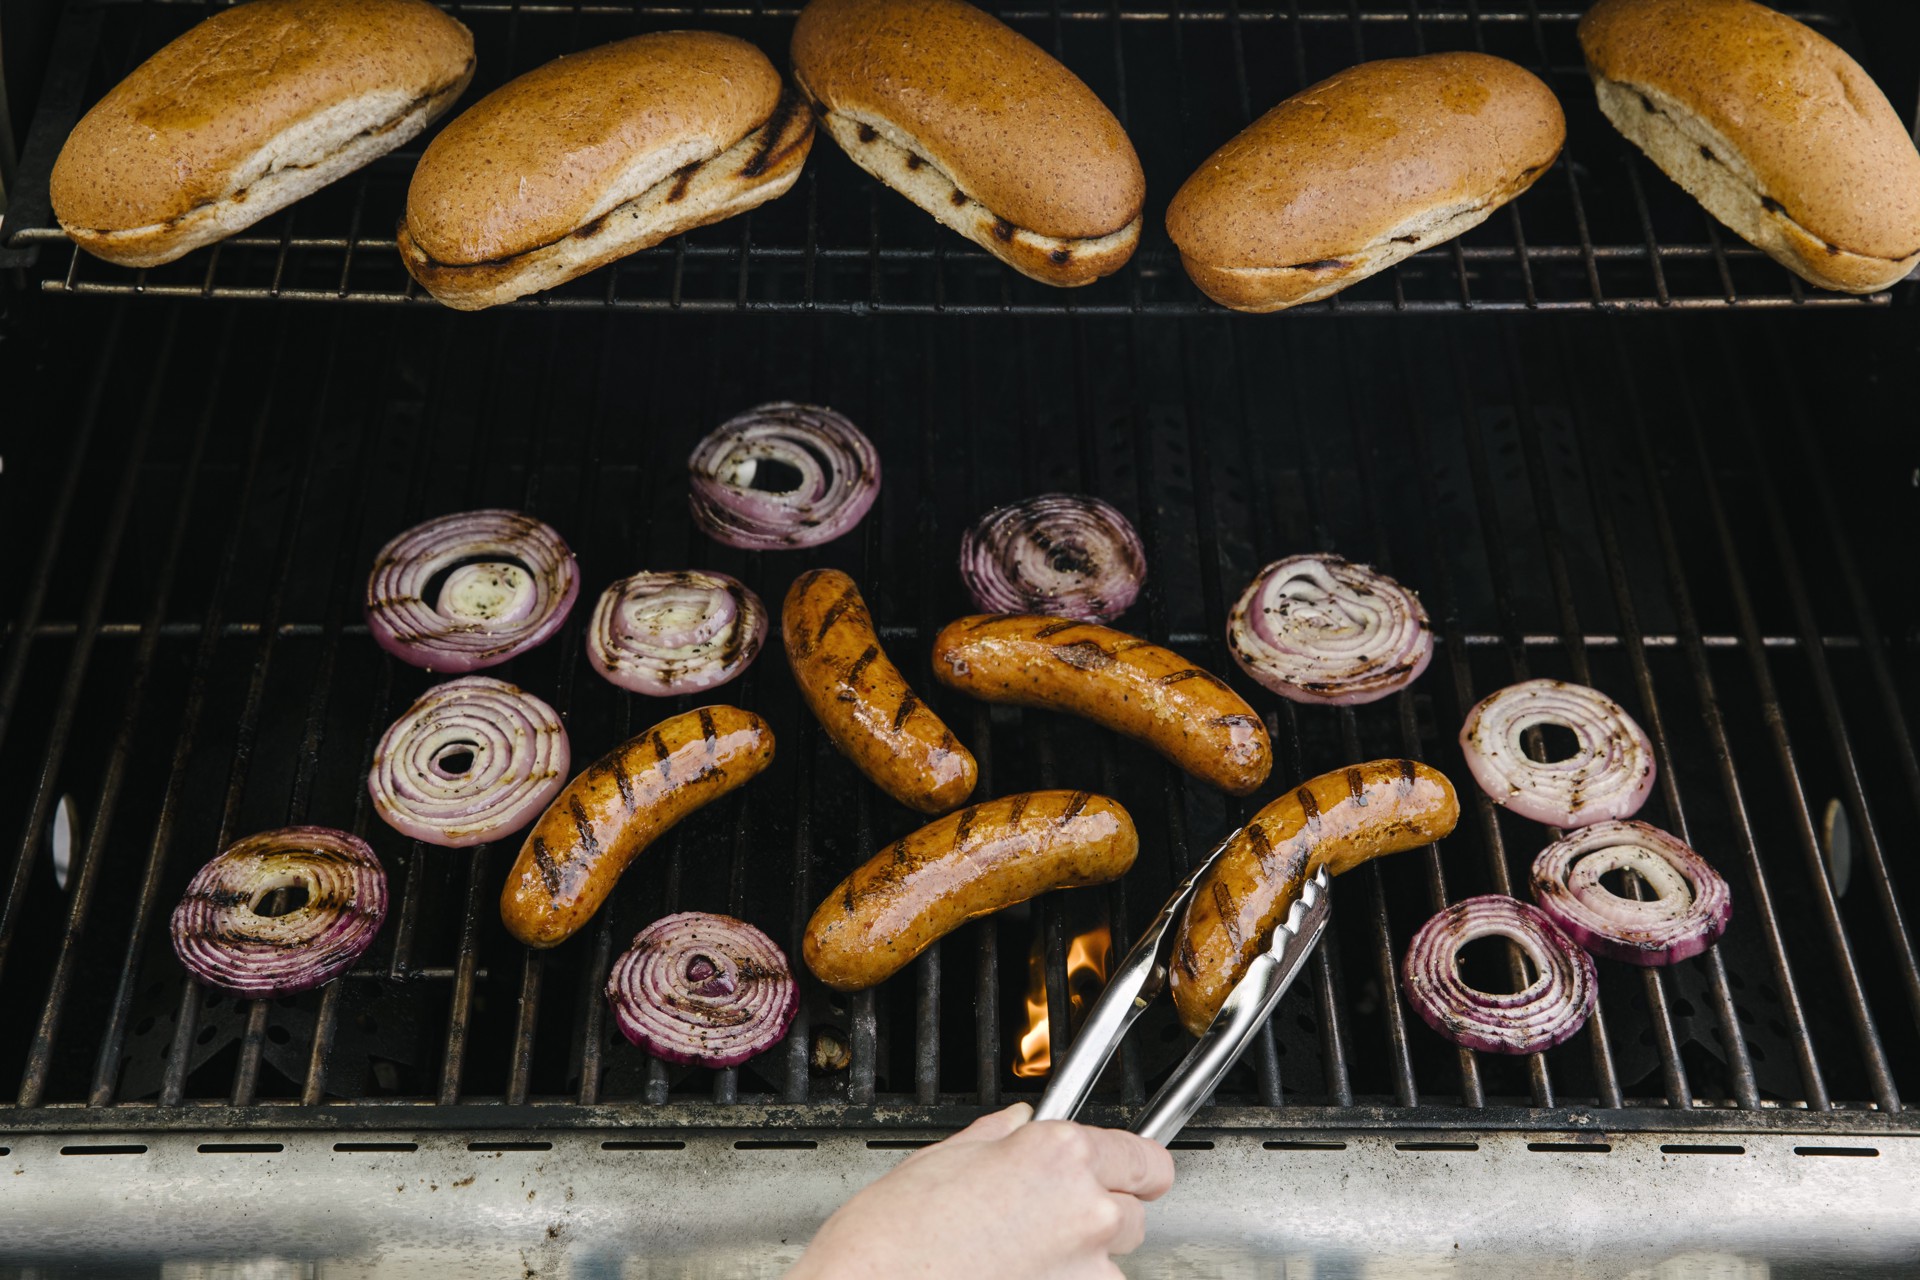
(839,477)
(720,642)
(1354,635)
(1687,914)
(223,941)
(740,1004)
(1547,1012)
(1609,777)
(435,634)
(520,760)
(1009,558)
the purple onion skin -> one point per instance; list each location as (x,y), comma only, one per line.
(1712,901)
(1527,787)
(1302,665)
(228,946)
(473,698)
(1439,941)
(420,637)
(737,956)
(801,436)
(1089,533)
(627,668)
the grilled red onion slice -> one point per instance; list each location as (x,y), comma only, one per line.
(669,633)
(1687,914)
(1319,629)
(1063,554)
(703,989)
(1610,775)
(472,760)
(500,583)
(1548,1010)
(833,469)
(220,936)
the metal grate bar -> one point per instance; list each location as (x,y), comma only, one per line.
(1812,1080)
(34,1077)
(1823,901)
(246,1075)
(1601,504)
(810,251)
(1472,1092)
(62,730)
(1500,572)
(112,1042)
(186,1021)
(1545,506)
(1899,936)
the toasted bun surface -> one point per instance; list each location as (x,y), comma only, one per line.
(247,112)
(548,152)
(1770,125)
(1347,177)
(978,125)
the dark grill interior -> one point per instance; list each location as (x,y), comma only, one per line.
(1687,514)
(1604,229)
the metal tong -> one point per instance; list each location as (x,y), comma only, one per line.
(1142,976)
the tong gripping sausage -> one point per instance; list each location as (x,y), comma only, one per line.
(626,800)
(968,864)
(1338,820)
(1116,680)
(863,701)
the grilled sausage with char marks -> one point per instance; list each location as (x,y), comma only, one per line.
(863,701)
(1338,820)
(625,801)
(968,864)
(1116,680)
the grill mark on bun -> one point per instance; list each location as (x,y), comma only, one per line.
(770,152)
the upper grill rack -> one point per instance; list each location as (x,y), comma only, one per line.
(1603,230)
(186,662)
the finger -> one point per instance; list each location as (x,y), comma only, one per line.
(991,1128)
(1133,1224)
(1127,1162)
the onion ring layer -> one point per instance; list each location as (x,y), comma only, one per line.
(1320,629)
(470,761)
(500,583)
(1609,776)
(1063,554)
(221,937)
(671,633)
(824,476)
(1687,914)
(1546,1012)
(704,989)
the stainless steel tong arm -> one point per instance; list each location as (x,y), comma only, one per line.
(1134,985)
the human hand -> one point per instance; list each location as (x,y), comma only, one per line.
(1004,1197)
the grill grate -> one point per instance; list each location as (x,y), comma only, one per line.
(1605,230)
(1652,510)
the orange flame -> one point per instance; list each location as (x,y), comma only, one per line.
(1086,973)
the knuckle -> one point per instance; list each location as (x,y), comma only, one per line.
(1104,1218)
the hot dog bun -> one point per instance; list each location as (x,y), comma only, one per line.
(1346,178)
(1770,126)
(977,125)
(595,156)
(247,112)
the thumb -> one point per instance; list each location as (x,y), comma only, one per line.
(991,1128)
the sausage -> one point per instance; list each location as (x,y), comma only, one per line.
(626,800)
(1338,820)
(1115,680)
(863,701)
(966,865)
